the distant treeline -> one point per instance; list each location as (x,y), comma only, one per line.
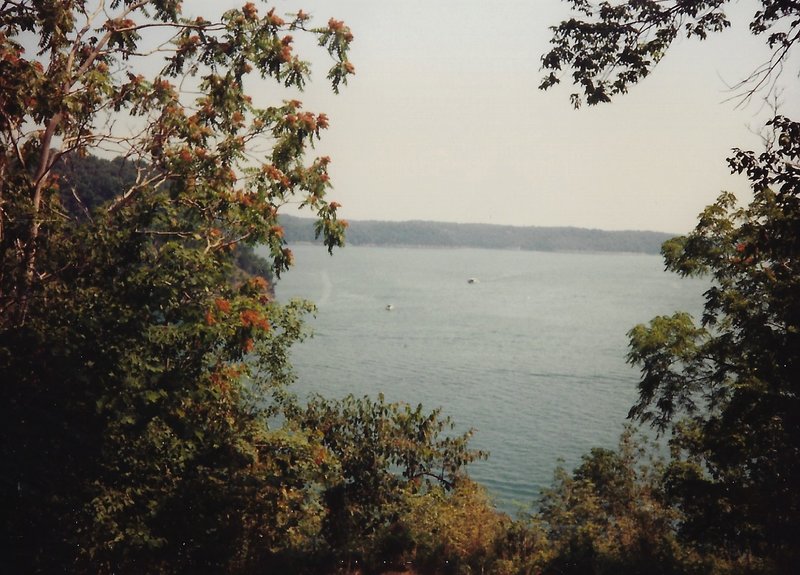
(449,235)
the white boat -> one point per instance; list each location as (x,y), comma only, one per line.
(389,307)
(472,280)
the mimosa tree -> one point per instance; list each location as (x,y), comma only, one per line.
(136,375)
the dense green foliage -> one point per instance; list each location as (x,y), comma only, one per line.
(608,515)
(726,390)
(88,183)
(731,387)
(144,374)
(147,426)
(388,455)
(449,235)
(132,437)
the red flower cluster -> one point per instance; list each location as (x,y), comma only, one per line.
(119,24)
(274,19)
(250,11)
(251,318)
(286,48)
(259,283)
(338,27)
(275,175)
(288,256)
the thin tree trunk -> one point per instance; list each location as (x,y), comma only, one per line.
(45,163)
(29,258)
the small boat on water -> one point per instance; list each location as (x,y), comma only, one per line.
(472,280)
(389,307)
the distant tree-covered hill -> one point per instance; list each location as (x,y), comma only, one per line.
(441,234)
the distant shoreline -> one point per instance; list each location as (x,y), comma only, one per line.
(435,247)
(444,235)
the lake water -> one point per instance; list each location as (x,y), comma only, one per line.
(532,355)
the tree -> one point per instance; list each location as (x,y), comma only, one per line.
(389,455)
(136,374)
(732,384)
(457,531)
(610,516)
(726,389)
(614,45)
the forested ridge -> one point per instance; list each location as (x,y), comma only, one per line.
(453,235)
(147,417)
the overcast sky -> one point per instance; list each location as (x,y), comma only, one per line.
(443,120)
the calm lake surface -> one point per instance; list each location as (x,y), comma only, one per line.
(532,355)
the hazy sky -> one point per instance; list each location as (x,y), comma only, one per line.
(444,121)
